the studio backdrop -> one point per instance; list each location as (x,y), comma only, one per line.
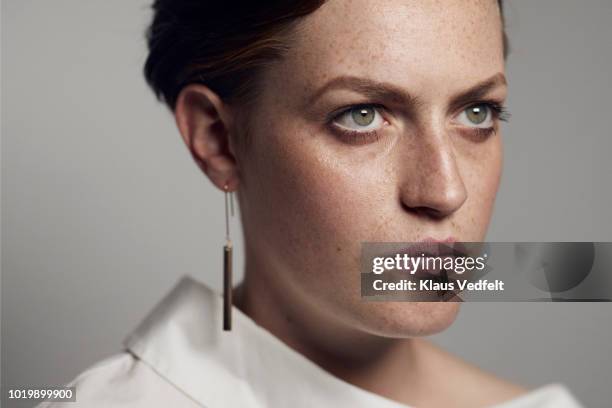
(103,208)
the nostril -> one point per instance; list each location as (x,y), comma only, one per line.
(424,211)
(435,205)
(433,212)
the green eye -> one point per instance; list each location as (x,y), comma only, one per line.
(360,119)
(363,116)
(477,114)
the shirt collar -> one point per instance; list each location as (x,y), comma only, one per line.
(183,341)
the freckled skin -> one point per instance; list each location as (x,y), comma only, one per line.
(304,194)
(308,199)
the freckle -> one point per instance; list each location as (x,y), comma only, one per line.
(338,249)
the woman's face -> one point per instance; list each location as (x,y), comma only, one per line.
(379,124)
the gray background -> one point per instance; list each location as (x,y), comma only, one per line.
(103,209)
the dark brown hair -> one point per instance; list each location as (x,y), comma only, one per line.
(222,44)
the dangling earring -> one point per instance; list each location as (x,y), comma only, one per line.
(227,263)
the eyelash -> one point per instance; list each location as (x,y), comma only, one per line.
(482,133)
(355,137)
(499,112)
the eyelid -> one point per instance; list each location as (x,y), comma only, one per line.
(336,113)
(498,109)
(478,134)
(354,136)
(337,119)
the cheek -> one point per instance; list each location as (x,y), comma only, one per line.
(481,173)
(315,208)
(311,198)
(310,208)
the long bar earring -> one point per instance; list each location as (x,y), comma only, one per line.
(227,263)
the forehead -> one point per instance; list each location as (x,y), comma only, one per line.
(406,42)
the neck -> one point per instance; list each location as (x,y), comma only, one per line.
(377,364)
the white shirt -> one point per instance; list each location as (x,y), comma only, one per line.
(179,357)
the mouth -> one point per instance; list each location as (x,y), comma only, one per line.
(428,264)
(430,246)
(426,258)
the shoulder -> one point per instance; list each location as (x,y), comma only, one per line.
(474,387)
(549,396)
(119,381)
(470,385)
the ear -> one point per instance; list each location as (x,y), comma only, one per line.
(204,120)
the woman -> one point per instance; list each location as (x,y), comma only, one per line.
(336,122)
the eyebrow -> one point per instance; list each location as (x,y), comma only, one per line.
(370,88)
(478,91)
(385,91)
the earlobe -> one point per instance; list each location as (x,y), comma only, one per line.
(204,122)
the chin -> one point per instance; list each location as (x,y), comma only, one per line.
(408,319)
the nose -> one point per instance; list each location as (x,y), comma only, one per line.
(432,184)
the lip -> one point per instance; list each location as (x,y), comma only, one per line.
(428,247)
(424,248)
(447,240)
